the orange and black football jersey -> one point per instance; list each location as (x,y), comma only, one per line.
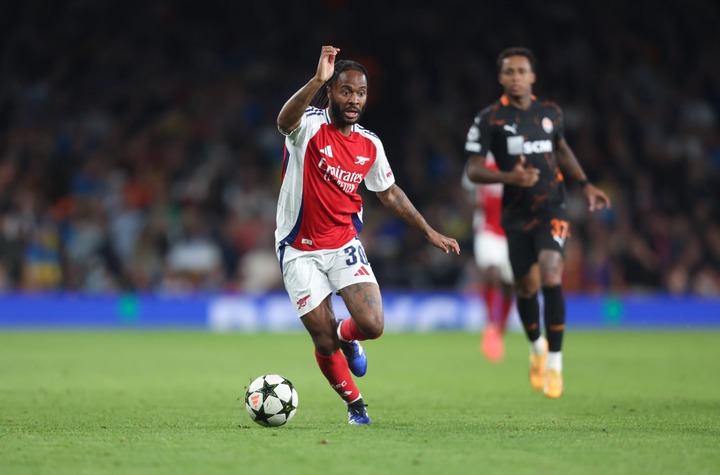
(531,137)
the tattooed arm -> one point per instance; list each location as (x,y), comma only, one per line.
(395,199)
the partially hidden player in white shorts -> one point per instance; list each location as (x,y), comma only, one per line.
(491,250)
(493,260)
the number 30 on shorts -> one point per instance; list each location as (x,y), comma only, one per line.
(353,253)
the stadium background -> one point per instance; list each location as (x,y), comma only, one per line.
(139,154)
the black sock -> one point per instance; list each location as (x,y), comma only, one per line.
(554,316)
(529,311)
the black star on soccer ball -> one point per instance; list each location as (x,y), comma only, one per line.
(277,398)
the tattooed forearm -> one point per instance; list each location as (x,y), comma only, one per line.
(395,199)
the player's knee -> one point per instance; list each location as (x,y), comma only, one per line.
(326,345)
(526,290)
(551,276)
(552,280)
(375,333)
(373,327)
(529,284)
(551,268)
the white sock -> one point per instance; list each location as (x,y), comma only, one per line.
(337,330)
(538,346)
(554,360)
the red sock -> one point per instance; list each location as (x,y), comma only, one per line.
(491,296)
(335,369)
(506,307)
(350,331)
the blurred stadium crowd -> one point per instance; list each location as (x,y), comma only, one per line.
(138,147)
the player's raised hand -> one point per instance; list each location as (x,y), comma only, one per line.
(523,176)
(597,199)
(326,64)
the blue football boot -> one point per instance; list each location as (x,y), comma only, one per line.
(355,356)
(357,414)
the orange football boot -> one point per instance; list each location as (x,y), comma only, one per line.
(553,384)
(537,369)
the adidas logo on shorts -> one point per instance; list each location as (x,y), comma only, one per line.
(362,271)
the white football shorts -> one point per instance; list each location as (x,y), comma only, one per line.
(492,250)
(310,276)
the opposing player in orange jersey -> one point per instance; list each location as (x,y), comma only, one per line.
(526,137)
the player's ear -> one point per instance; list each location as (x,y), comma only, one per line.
(532,77)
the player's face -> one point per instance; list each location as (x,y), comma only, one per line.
(348,97)
(517,76)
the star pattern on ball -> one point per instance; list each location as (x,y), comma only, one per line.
(271,400)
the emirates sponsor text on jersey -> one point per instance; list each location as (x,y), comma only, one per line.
(346,180)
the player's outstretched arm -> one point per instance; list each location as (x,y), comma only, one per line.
(395,199)
(289,117)
(596,198)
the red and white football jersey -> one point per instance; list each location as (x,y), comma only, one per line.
(488,217)
(319,206)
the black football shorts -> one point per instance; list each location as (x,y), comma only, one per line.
(524,246)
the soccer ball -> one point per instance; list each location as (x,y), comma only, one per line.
(271,400)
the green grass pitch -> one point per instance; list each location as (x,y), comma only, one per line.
(635,402)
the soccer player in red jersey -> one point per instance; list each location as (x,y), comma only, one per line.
(319,215)
(491,256)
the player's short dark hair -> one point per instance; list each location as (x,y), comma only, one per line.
(517,51)
(320,99)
